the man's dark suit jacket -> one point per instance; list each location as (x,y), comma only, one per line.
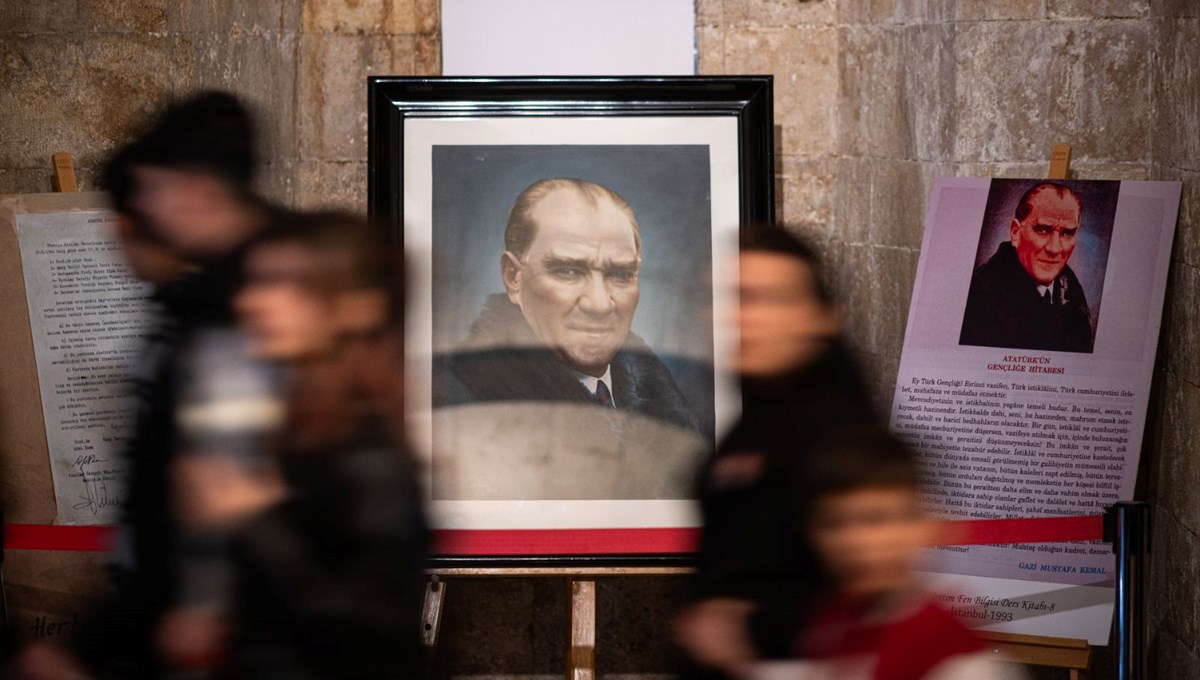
(502,360)
(1005,309)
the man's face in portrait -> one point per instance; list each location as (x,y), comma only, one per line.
(577,284)
(1045,239)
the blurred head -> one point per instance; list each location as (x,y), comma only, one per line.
(865,521)
(187,180)
(150,258)
(319,282)
(571,260)
(786,316)
(1043,230)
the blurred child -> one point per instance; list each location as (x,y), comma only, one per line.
(876,622)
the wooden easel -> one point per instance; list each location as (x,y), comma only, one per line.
(1060,161)
(64,172)
(581,585)
(1035,650)
(1074,655)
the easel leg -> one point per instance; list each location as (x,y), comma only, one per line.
(431,621)
(581,653)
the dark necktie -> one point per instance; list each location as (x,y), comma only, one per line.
(603,396)
(1047,298)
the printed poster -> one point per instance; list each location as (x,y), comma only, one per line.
(88,315)
(1025,377)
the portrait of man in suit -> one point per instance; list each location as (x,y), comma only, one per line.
(557,345)
(561,331)
(1027,296)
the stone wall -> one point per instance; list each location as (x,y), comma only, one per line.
(874,98)
(1172,452)
(79,76)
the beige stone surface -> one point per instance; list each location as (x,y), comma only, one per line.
(38,17)
(427,57)
(260,69)
(1001,105)
(344,16)
(874,11)
(1174,8)
(779,13)
(229,16)
(332,184)
(987,10)
(893,270)
(277,181)
(927,53)
(1107,113)
(1021,85)
(803,61)
(1170,657)
(1182,323)
(1180,436)
(1089,9)
(413,16)
(850,271)
(331,81)
(710,13)
(851,210)
(117,79)
(710,50)
(873,117)
(807,188)
(884,385)
(1093,169)
(897,203)
(28,180)
(122,16)
(1007,170)
(1176,129)
(1171,591)
(390,55)
(1187,240)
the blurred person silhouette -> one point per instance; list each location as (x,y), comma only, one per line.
(875,621)
(798,382)
(329,556)
(183,191)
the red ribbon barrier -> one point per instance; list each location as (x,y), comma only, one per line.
(57,537)
(566,541)
(1022,530)
(603,541)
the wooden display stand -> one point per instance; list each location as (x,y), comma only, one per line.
(43,593)
(1033,650)
(581,583)
(1036,650)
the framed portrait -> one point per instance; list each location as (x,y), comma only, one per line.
(571,251)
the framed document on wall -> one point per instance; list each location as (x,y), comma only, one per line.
(571,246)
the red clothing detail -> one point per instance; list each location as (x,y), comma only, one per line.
(905,647)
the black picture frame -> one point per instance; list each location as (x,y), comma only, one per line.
(395,102)
(391,101)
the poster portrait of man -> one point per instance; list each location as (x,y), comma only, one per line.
(572,322)
(1039,270)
